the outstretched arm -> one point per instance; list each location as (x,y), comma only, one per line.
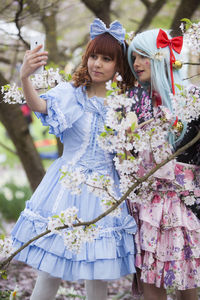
(33,60)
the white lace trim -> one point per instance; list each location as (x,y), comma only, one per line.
(61,116)
(102,231)
(118,228)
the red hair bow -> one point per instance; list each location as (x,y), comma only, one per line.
(175,43)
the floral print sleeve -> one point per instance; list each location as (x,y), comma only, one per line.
(142,104)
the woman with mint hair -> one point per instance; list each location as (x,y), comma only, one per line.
(168,237)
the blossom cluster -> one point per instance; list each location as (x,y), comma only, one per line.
(186,104)
(12,94)
(189,200)
(159,55)
(191,36)
(100,185)
(73,237)
(70,293)
(72,179)
(48,79)
(14,294)
(76,237)
(138,147)
(67,217)
(129,36)
(119,119)
(6,248)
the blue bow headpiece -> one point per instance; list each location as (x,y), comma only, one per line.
(116,30)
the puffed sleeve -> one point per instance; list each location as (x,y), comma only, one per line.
(63,108)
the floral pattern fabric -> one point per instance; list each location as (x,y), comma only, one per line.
(168,238)
(142,104)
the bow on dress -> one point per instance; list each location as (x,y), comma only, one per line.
(116,30)
(175,44)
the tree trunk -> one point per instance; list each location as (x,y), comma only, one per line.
(152,11)
(186,9)
(100,8)
(49,23)
(17,128)
(54,56)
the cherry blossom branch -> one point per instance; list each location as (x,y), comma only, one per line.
(191,76)
(103,189)
(190,63)
(124,197)
(145,123)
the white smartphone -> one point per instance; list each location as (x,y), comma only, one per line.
(34,42)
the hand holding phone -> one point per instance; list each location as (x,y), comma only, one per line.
(35,42)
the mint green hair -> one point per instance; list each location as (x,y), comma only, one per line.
(145,44)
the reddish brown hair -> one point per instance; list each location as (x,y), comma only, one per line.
(104,44)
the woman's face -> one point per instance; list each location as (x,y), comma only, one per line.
(101,68)
(142,67)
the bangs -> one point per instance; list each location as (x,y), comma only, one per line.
(104,45)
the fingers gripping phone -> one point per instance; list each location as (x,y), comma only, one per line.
(34,42)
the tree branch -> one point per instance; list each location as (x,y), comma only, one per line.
(147,3)
(100,8)
(124,197)
(7,148)
(17,15)
(5,60)
(186,9)
(6,7)
(152,10)
(190,63)
(191,76)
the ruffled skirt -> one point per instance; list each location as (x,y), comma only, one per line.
(168,237)
(111,254)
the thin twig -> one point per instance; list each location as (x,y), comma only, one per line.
(191,76)
(18,13)
(7,148)
(145,123)
(103,189)
(190,63)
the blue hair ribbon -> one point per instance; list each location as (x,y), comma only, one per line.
(116,30)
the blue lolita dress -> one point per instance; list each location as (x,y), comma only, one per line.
(78,121)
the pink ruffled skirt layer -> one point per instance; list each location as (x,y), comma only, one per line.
(168,237)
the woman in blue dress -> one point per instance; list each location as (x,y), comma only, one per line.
(75,112)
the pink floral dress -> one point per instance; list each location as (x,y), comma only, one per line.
(168,236)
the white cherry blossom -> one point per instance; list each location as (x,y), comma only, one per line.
(191,36)
(6,248)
